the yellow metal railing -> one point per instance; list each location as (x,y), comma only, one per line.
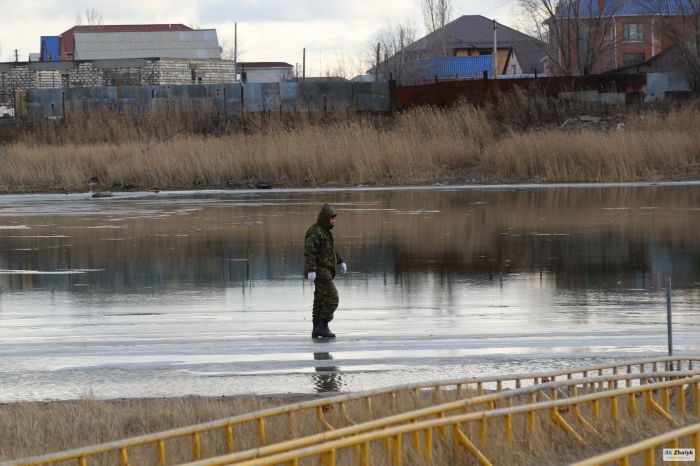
(647,448)
(422,438)
(159,441)
(548,391)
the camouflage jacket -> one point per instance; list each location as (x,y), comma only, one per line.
(320,255)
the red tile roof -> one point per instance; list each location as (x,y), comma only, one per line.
(67,40)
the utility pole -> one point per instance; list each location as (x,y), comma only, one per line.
(303,69)
(376,66)
(495,50)
(235,47)
(669,317)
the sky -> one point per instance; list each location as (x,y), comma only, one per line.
(335,33)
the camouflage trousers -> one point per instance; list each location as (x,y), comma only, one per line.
(325,300)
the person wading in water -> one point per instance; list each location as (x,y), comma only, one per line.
(320,263)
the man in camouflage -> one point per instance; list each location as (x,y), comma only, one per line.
(320,263)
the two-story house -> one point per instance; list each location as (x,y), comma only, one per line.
(593,36)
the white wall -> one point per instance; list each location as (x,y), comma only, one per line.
(267,75)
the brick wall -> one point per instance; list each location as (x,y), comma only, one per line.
(17,78)
(24,76)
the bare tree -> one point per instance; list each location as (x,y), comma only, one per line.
(681,24)
(580,36)
(92,18)
(343,66)
(436,13)
(392,39)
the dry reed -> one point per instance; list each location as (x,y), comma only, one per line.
(425,145)
(34,428)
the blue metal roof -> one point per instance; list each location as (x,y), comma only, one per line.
(456,67)
(589,8)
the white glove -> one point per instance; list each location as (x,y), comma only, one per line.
(343,268)
(312,277)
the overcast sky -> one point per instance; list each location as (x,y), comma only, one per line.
(268,30)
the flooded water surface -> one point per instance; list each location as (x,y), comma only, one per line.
(202,293)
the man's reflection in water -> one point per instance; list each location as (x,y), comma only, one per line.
(327,378)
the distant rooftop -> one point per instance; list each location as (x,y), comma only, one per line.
(68,39)
(590,8)
(263,64)
(476,32)
(187,45)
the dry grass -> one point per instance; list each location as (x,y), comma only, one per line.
(34,428)
(652,147)
(427,145)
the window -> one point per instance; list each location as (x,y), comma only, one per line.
(634,32)
(583,34)
(633,58)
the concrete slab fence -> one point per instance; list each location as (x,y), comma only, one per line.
(235,100)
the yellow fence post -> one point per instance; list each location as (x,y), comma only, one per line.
(397,450)
(614,413)
(160,453)
(328,458)
(123,457)
(665,399)
(442,429)
(82,461)
(483,432)
(531,422)
(262,435)
(428,445)
(696,398)
(595,409)
(415,438)
(508,429)
(196,448)
(364,454)
(681,400)
(230,445)
(292,422)
(649,457)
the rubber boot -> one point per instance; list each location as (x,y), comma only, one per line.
(314,332)
(324,331)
